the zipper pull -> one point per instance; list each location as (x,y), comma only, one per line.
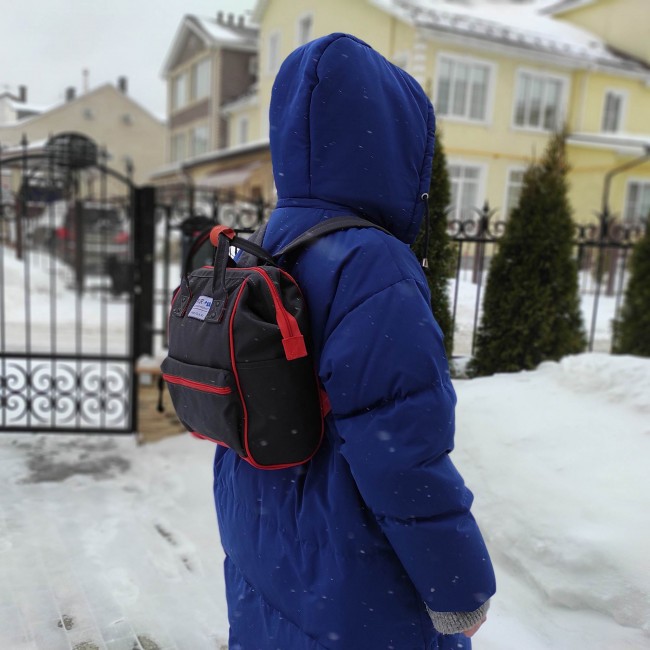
(425,262)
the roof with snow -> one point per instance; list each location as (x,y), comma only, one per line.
(558,6)
(226,32)
(521,25)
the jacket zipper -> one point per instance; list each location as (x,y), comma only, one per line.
(197,385)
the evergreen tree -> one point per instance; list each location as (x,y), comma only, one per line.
(531,308)
(440,253)
(632,330)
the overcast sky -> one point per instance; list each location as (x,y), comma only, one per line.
(46,44)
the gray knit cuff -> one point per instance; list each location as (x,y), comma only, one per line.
(455,622)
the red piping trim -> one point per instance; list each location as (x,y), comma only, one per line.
(171,308)
(202,437)
(234,365)
(249,458)
(197,385)
(292,338)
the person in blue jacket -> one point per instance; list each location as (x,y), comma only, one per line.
(371,545)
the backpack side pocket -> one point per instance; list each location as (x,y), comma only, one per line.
(206,402)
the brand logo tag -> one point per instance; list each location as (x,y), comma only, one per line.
(201,308)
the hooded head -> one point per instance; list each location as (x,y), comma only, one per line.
(351,130)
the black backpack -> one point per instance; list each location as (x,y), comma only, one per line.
(239,367)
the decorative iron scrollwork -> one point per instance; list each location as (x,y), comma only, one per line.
(72,151)
(73,394)
(481,228)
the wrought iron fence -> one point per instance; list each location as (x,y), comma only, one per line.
(601,250)
(69,337)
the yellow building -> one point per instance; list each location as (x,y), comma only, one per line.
(502,75)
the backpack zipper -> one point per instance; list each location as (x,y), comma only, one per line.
(197,385)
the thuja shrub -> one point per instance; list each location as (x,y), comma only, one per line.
(632,329)
(531,308)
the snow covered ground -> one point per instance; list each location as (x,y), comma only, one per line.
(108,545)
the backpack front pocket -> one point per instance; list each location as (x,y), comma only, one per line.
(206,401)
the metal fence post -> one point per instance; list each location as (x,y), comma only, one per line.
(144,208)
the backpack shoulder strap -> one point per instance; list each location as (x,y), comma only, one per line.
(249,259)
(325,227)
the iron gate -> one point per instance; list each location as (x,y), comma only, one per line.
(75,300)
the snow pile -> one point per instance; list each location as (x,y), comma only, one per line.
(108,543)
(559,461)
(522,25)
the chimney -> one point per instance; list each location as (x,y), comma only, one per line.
(85,74)
(70,93)
(123,85)
(220,17)
(231,19)
(240,21)
(22,94)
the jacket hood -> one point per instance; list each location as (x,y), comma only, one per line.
(351,131)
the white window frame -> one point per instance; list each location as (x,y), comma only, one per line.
(299,27)
(193,140)
(562,102)
(621,115)
(243,130)
(489,95)
(506,196)
(274,55)
(481,185)
(178,104)
(174,155)
(205,63)
(639,180)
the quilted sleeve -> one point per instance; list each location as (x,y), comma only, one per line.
(384,369)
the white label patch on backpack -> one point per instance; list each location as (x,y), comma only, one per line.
(201,308)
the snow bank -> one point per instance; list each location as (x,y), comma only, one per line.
(559,461)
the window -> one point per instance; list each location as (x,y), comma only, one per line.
(612,112)
(305,25)
(513,189)
(177,147)
(199,140)
(637,201)
(463,88)
(201,79)
(465,181)
(274,52)
(242,130)
(539,101)
(179,91)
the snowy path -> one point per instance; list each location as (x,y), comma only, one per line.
(105,545)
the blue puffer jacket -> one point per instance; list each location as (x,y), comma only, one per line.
(344,552)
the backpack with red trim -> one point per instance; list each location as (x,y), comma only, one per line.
(239,368)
